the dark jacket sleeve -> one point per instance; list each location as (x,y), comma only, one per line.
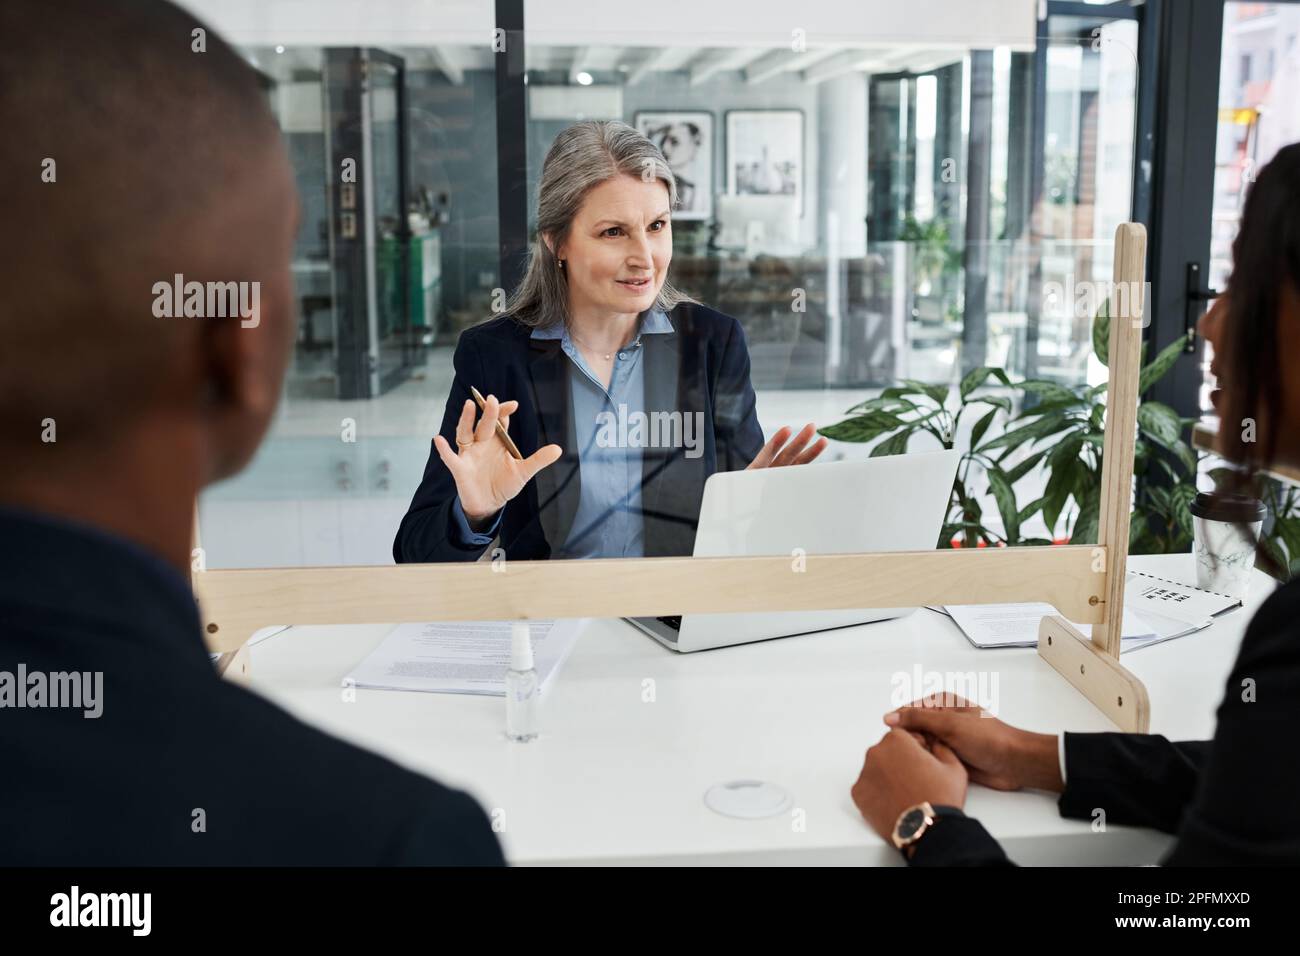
(428,532)
(1142,780)
(1228,799)
(1137,779)
(738,435)
(958,841)
(1242,810)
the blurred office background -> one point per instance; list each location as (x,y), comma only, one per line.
(912,174)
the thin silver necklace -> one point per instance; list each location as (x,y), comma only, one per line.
(608,355)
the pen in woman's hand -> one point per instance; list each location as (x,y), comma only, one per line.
(501,430)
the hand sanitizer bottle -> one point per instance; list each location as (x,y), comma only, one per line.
(521,686)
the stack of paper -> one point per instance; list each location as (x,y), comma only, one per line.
(460,657)
(1155,610)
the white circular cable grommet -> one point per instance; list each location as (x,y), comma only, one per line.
(748,799)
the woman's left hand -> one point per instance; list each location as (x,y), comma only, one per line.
(777,452)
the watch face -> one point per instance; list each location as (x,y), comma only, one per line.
(910,823)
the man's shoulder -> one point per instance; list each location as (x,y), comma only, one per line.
(384,812)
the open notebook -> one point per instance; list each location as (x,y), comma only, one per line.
(1155,609)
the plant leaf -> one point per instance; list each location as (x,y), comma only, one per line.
(1271,547)
(1101,334)
(1029,510)
(1220,476)
(1085,525)
(1006,499)
(862,428)
(1288,529)
(1055,408)
(1181,502)
(899,391)
(1159,422)
(893,445)
(1068,448)
(1087,483)
(1031,432)
(936,393)
(1049,392)
(977,377)
(1187,455)
(1059,484)
(1001,401)
(1137,529)
(981,427)
(883,404)
(1162,363)
(1019,471)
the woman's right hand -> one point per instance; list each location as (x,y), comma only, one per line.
(486,474)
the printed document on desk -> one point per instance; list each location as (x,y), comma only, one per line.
(1016,625)
(460,657)
(1155,610)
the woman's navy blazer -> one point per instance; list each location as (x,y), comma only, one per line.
(701,366)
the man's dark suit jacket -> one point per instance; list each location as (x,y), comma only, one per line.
(700,367)
(175,744)
(1228,799)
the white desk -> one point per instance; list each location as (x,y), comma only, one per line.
(617,779)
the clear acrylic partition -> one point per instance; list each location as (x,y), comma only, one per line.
(337,471)
(838,178)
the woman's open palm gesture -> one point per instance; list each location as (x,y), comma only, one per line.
(487,475)
(777,453)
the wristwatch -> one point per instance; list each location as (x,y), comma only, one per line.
(914,821)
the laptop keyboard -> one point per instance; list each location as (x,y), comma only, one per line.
(674,622)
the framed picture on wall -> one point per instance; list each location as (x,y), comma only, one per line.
(765,153)
(686,140)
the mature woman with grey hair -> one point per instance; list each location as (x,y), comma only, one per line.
(621,393)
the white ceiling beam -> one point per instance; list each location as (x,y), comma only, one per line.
(806,59)
(769,65)
(922,61)
(719,61)
(444,60)
(777,62)
(664,58)
(849,61)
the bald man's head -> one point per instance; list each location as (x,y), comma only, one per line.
(137,147)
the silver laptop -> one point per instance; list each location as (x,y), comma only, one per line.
(894,503)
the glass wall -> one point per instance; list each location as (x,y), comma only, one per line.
(868,211)
(392,263)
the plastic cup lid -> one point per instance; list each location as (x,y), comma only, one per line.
(1216,507)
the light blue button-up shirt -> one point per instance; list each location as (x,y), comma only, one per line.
(608,522)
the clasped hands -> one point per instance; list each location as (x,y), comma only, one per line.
(935,746)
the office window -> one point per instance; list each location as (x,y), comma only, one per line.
(1257,117)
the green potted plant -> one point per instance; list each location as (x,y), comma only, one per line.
(1060,429)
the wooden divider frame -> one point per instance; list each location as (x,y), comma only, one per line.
(1084,582)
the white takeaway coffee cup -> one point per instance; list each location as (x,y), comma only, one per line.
(1225,531)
